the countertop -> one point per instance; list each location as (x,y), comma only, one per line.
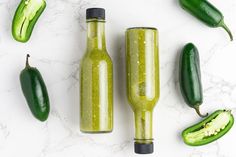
(56,47)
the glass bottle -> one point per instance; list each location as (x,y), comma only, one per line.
(96,101)
(142,68)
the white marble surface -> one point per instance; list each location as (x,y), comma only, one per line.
(56,47)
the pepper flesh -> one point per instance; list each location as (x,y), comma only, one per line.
(210,129)
(205,12)
(25,18)
(35,92)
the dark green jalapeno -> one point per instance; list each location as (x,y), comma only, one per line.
(210,129)
(190,77)
(35,91)
(205,12)
(26,16)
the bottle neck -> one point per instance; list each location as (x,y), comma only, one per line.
(143,126)
(96,34)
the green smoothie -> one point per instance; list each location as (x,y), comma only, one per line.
(142,67)
(96,115)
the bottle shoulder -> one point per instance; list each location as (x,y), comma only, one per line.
(97,55)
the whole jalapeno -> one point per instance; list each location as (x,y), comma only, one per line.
(25,18)
(210,129)
(205,12)
(190,77)
(35,91)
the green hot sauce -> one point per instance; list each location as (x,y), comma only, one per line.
(96,78)
(142,66)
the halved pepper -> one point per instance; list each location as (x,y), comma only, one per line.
(210,129)
(26,16)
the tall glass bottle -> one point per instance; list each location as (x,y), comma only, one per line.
(96,104)
(142,68)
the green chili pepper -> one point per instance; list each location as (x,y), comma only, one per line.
(210,129)
(205,12)
(190,77)
(26,16)
(35,91)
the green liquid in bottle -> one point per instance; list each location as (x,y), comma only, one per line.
(96,115)
(142,67)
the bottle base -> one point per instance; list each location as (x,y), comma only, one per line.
(96,132)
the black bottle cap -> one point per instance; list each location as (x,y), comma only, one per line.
(143,148)
(97,13)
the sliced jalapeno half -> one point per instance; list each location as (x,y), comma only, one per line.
(25,18)
(210,129)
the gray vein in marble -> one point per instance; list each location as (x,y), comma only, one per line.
(74,137)
(4,129)
(211,53)
(5,132)
(80,12)
(220,85)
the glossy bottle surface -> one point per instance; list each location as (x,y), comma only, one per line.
(96,82)
(142,67)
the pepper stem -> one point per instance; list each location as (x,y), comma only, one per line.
(199,113)
(27,60)
(223,25)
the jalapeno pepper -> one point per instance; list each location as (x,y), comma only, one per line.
(206,12)
(35,92)
(190,77)
(210,129)
(26,16)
